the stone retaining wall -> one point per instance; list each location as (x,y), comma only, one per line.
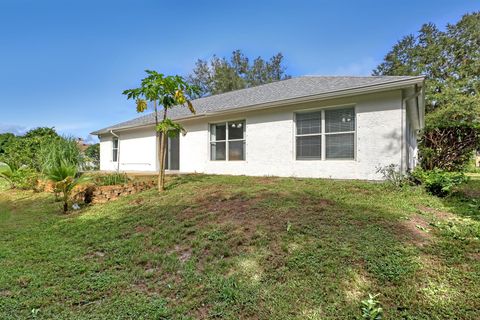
(102,194)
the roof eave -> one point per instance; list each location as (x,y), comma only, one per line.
(398,84)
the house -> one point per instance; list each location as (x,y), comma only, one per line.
(311,126)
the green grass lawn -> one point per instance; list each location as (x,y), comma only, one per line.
(241,247)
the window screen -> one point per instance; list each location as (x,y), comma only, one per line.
(227,141)
(309,147)
(309,123)
(340,133)
(115,149)
(339,120)
(340,146)
(308,135)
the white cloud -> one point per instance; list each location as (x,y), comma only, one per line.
(363,67)
(91,139)
(13,128)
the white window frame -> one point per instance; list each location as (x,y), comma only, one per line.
(320,134)
(323,134)
(115,149)
(227,140)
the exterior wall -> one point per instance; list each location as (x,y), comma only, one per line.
(412,126)
(270,141)
(137,151)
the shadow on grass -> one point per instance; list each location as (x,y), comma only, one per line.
(229,259)
(465,201)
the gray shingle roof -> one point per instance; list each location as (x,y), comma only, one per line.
(267,93)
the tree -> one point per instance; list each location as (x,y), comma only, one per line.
(168,92)
(93,154)
(5,140)
(221,75)
(25,150)
(450,60)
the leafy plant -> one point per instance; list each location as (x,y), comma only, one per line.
(65,176)
(392,174)
(370,308)
(25,178)
(21,178)
(93,156)
(450,61)
(111,179)
(6,173)
(22,151)
(438,182)
(60,150)
(167,91)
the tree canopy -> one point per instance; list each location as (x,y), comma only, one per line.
(450,60)
(222,75)
(167,92)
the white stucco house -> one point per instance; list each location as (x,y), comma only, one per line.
(312,126)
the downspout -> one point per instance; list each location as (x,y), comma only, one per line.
(118,149)
(404,115)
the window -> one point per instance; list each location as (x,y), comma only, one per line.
(326,134)
(115,149)
(227,141)
(340,133)
(309,136)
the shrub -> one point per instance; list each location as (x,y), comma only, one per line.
(61,150)
(439,182)
(24,178)
(66,178)
(392,174)
(111,179)
(21,178)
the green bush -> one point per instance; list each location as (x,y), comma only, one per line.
(58,151)
(439,182)
(393,175)
(24,178)
(111,179)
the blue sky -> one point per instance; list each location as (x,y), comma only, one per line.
(64,64)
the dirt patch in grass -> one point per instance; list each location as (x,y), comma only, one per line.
(444,215)
(136,201)
(419,230)
(97,255)
(359,190)
(203,312)
(183,253)
(143,229)
(5,293)
(415,230)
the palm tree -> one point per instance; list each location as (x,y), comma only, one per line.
(66,178)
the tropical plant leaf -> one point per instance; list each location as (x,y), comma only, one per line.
(5,170)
